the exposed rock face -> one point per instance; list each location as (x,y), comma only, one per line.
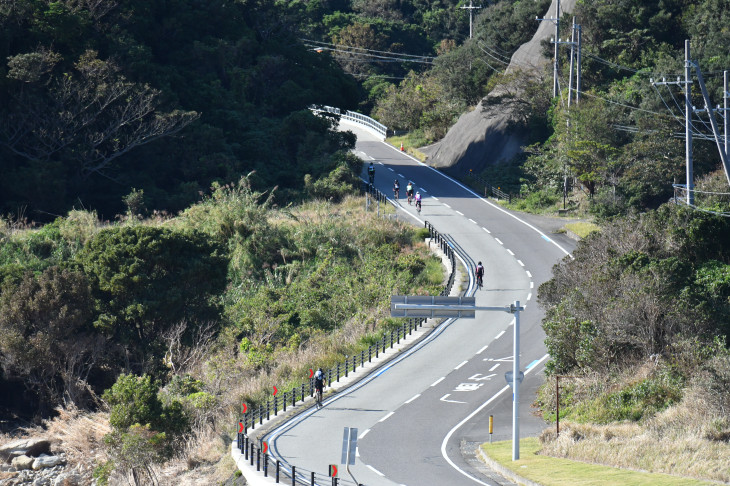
(483,138)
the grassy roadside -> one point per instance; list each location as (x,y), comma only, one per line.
(409,145)
(551,471)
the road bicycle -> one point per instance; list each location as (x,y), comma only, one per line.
(479,282)
(318,398)
(396,193)
(410,198)
(418,206)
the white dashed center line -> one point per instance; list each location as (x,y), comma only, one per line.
(520,262)
(500,335)
(462,364)
(485,229)
(459,213)
(375,470)
(498,241)
(438,381)
(494,367)
(472,221)
(510,252)
(386,417)
(480,351)
(412,398)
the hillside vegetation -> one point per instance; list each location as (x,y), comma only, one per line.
(170,324)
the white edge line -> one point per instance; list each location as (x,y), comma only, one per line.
(529,296)
(520,262)
(462,364)
(485,347)
(532,285)
(386,417)
(529,274)
(412,398)
(447,205)
(472,221)
(375,470)
(469,417)
(438,381)
(424,189)
(486,201)
(459,213)
(498,241)
(434,198)
(485,229)
(365,432)
(511,252)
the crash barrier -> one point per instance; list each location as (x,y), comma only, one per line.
(256,452)
(448,250)
(490,190)
(367,188)
(354,117)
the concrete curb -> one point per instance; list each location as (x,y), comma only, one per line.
(503,471)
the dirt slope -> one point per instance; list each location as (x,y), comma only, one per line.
(479,139)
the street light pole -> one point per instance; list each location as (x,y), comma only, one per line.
(516,386)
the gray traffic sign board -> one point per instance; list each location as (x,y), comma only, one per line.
(432,306)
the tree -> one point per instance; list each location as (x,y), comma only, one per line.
(146,279)
(46,337)
(85,119)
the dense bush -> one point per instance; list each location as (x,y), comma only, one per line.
(146,279)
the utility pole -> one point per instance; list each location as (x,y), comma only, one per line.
(572,56)
(470,8)
(688,125)
(556,41)
(725,96)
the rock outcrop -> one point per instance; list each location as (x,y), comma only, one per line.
(480,138)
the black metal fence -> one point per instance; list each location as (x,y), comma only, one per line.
(254,452)
(490,190)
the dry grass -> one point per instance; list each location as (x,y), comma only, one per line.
(680,441)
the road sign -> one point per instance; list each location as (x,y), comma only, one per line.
(508,377)
(333,470)
(432,306)
(349,445)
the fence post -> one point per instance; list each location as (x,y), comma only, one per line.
(261,414)
(370,354)
(346,367)
(266,465)
(276,406)
(391,339)
(258,459)
(250,454)
(294,397)
(278,467)
(268,410)
(312,481)
(245,448)
(283,403)
(338,372)
(293,476)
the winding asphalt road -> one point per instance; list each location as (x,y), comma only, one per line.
(419,412)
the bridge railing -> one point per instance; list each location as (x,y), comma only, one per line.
(251,448)
(354,117)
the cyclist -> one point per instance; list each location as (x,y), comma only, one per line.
(396,189)
(371,173)
(318,386)
(479,272)
(418,201)
(409,192)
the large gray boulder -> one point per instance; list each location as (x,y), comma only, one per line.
(484,137)
(27,447)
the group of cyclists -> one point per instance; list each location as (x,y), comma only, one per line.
(409,194)
(396,189)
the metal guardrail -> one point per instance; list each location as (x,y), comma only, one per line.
(355,117)
(254,453)
(490,190)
